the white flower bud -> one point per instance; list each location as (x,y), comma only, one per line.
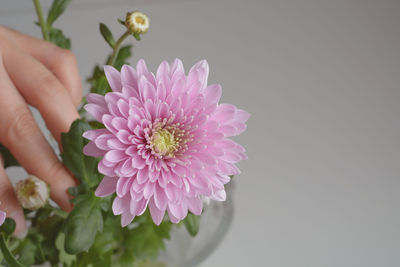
(32,193)
(137,22)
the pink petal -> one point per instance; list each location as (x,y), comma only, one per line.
(101,141)
(146,89)
(128,76)
(228,130)
(126,218)
(172,218)
(120,205)
(123,136)
(96,111)
(224,112)
(178,210)
(177,68)
(106,186)
(113,78)
(114,143)
(107,119)
(148,190)
(195,205)
(127,169)
(119,123)
(200,70)
(242,115)
(212,94)
(115,156)
(156,213)
(123,107)
(163,70)
(95,99)
(138,207)
(172,192)
(219,195)
(231,157)
(160,199)
(123,185)
(105,169)
(138,162)
(141,68)
(93,134)
(142,175)
(92,150)
(206,158)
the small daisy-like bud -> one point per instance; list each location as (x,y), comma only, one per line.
(137,22)
(32,193)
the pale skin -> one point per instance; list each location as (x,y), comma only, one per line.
(36,73)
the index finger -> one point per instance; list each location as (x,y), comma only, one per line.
(61,62)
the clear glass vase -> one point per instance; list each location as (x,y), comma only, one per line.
(183,250)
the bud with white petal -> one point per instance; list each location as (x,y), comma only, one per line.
(32,193)
(137,22)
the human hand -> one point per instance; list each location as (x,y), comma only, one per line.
(38,73)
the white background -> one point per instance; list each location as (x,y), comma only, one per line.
(322,82)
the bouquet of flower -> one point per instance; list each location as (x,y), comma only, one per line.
(150,147)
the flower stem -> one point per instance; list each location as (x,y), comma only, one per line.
(117,45)
(42,23)
(8,256)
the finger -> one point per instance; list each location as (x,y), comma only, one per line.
(20,134)
(41,89)
(9,201)
(61,62)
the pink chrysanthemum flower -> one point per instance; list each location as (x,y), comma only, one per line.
(165,142)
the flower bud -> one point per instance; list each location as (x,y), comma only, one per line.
(32,193)
(137,22)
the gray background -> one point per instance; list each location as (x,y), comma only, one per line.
(322,82)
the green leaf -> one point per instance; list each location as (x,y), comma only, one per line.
(8,227)
(58,38)
(137,36)
(77,190)
(96,125)
(127,259)
(192,223)
(98,82)
(56,9)
(8,158)
(8,256)
(107,35)
(50,228)
(83,167)
(82,225)
(27,251)
(64,258)
(147,239)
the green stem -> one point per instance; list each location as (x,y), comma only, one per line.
(42,23)
(117,45)
(11,260)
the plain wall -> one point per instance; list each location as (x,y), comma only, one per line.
(322,82)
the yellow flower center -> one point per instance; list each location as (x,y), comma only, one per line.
(164,142)
(140,20)
(28,188)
